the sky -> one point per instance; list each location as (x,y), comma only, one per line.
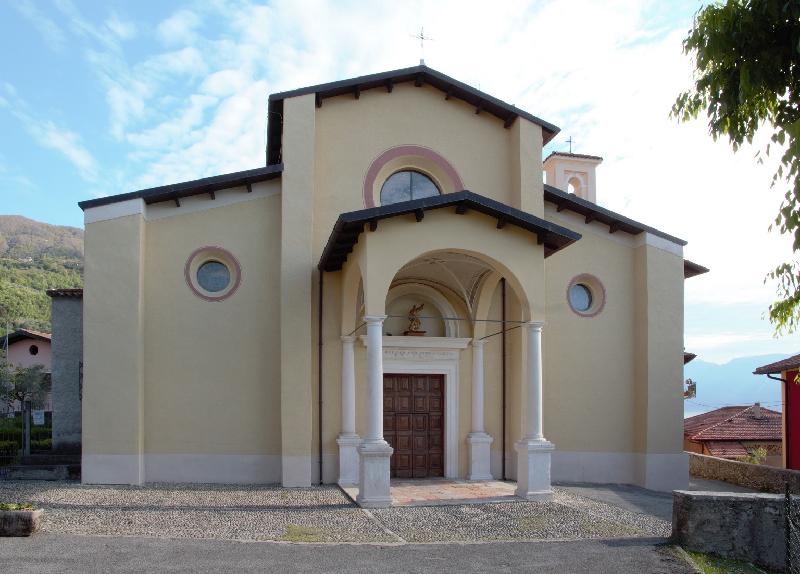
(99,98)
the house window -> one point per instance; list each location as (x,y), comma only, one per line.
(33,350)
(586,295)
(213,276)
(407,185)
(213,273)
(580,297)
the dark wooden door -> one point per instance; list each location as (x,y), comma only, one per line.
(413,424)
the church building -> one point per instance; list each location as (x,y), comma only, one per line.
(406,289)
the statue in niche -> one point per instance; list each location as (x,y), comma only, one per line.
(414,323)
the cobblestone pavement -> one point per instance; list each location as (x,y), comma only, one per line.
(319,514)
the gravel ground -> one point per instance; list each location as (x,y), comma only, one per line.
(320,514)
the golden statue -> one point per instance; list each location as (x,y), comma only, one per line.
(414,323)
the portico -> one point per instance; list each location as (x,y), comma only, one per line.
(387,254)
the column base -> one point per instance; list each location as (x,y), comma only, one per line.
(533,469)
(480,444)
(374,472)
(348,459)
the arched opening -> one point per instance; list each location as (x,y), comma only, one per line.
(574,186)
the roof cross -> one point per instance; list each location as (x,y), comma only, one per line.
(421,37)
(569,141)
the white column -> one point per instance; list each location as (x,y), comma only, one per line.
(373,486)
(479,442)
(533,451)
(348,440)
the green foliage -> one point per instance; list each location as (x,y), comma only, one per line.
(755,456)
(747,57)
(9,447)
(710,564)
(35,257)
(16,506)
(40,445)
(23,384)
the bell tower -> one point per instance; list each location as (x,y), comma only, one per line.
(573,172)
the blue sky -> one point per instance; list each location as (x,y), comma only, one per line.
(99,98)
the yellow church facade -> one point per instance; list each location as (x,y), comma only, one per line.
(405,290)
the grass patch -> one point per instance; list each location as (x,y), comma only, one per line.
(16,506)
(295,533)
(710,564)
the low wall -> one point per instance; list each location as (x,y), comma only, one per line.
(746,527)
(755,476)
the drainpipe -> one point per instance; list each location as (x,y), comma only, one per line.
(503,368)
(319,372)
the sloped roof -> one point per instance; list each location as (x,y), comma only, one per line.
(726,448)
(70,292)
(22,334)
(351,224)
(420,75)
(778,367)
(734,423)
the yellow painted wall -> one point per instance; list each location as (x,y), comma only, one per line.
(213,368)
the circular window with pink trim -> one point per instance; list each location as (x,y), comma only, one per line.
(212,273)
(586,296)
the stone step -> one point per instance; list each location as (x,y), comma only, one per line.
(41,472)
(50,458)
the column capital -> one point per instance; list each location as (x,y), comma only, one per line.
(535,325)
(348,339)
(373,319)
(478,342)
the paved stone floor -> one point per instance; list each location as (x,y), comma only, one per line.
(427,492)
(318,515)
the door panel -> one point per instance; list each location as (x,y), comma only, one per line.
(414,424)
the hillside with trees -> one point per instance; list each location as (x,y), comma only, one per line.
(34,257)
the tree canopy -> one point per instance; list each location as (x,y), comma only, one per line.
(747,58)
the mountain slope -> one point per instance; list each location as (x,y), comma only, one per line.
(732,384)
(34,257)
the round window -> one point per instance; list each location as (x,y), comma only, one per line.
(580,297)
(407,185)
(213,276)
(213,273)
(33,350)
(586,296)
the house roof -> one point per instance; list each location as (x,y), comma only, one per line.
(575,155)
(22,334)
(734,423)
(726,448)
(349,225)
(420,75)
(76,293)
(688,357)
(778,367)
(207,185)
(692,269)
(593,212)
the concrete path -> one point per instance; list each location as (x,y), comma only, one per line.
(88,554)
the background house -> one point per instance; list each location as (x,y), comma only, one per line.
(785,371)
(734,432)
(25,348)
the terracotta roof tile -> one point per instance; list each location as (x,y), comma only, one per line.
(22,334)
(726,449)
(734,423)
(779,366)
(72,292)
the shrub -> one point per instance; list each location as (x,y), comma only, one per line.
(45,444)
(8,447)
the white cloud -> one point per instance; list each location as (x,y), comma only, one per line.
(51,33)
(179,28)
(123,29)
(68,143)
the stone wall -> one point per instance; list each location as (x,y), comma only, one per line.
(67,347)
(746,527)
(755,476)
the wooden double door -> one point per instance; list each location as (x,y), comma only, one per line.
(413,424)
